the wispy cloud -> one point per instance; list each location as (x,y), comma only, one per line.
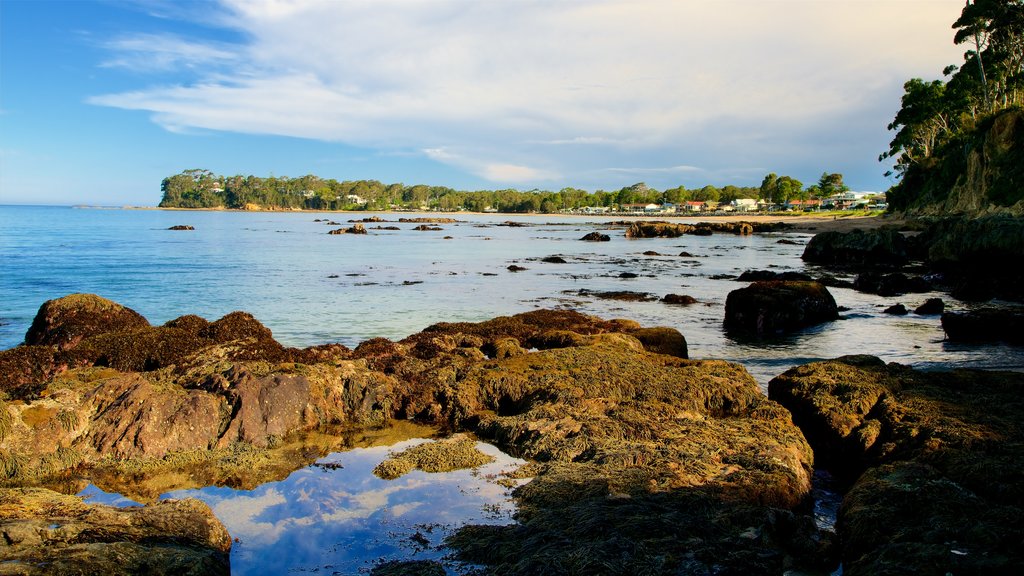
(530,90)
(163,52)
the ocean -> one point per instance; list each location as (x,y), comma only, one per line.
(310,287)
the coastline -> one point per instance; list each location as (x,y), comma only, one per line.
(804,222)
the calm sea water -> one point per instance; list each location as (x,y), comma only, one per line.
(309,287)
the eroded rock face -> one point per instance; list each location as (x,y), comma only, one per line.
(942,454)
(777,307)
(49,533)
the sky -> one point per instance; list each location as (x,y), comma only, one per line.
(101,100)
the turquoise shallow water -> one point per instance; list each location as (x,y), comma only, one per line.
(309,287)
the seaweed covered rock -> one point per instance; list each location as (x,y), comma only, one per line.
(942,452)
(50,533)
(646,463)
(659,229)
(596,237)
(778,306)
(64,322)
(909,518)
(882,247)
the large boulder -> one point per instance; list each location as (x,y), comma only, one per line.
(944,487)
(64,322)
(882,247)
(985,325)
(50,533)
(777,307)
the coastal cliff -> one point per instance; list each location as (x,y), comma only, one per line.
(981,172)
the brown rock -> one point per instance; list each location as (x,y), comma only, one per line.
(680,299)
(778,306)
(50,533)
(64,322)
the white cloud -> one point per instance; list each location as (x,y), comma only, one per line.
(500,88)
(163,52)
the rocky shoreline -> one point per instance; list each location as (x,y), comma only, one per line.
(641,459)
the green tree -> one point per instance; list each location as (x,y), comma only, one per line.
(828,185)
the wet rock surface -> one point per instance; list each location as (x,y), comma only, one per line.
(934,459)
(774,307)
(49,533)
(628,437)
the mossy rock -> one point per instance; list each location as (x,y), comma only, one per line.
(775,307)
(65,321)
(934,458)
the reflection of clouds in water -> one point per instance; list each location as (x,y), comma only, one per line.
(245,512)
(347,517)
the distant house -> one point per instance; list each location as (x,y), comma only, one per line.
(695,206)
(640,208)
(594,209)
(355,199)
(743,204)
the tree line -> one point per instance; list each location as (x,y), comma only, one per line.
(933,115)
(200,188)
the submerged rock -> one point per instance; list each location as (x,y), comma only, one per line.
(942,451)
(777,307)
(181,227)
(596,237)
(50,533)
(624,295)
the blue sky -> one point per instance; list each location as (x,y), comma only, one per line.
(99,101)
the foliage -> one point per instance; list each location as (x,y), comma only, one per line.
(198,188)
(933,114)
